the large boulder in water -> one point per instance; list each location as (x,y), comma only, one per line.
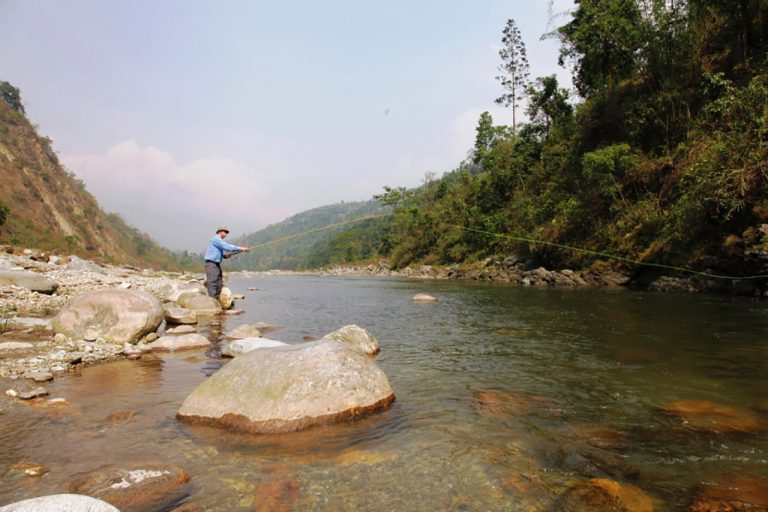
(293,387)
(30,280)
(116,315)
(60,503)
(244,331)
(171,290)
(177,342)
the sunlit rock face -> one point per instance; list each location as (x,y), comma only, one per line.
(283,389)
(116,315)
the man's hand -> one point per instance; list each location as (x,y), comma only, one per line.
(245,249)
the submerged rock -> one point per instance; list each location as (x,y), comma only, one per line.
(30,280)
(60,503)
(732,493)
(116,315)
(135,487)
(178,342)
(293,387)
(720,419)
(276,494)
(603,495)
(244,331)
(496,402)
(244,345)
(424,297)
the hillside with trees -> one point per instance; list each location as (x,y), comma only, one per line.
(44,206)
(661,157)
(332,234)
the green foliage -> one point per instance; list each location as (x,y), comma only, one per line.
(664,159)
(4,211)
(12,96)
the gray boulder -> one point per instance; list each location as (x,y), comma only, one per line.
(116,315)
(244,345)
(199,304)
(60,503)
(30,280)
(292,387)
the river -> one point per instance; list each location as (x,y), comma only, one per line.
(505,397)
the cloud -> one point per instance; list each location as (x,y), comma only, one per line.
(176,203)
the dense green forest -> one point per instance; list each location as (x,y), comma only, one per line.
(659,155)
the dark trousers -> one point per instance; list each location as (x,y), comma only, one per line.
(214,278)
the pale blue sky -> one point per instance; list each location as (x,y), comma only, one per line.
(182,115)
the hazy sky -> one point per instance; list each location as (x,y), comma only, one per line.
(182,115)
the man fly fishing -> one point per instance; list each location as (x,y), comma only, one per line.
(217,250)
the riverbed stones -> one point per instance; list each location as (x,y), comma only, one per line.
(424,297)
(29,280)
(716,418)
(178,342)
(116,315)
(60,503)
(177,315)
(135,487)
(244,331)
(289,388)
(199,304)
(244,345)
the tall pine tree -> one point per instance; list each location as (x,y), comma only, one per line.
(514,68)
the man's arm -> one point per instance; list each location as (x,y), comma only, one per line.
(227,247)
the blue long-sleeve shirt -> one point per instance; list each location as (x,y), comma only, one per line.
(217,248)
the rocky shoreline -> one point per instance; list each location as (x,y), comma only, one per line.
(29,349)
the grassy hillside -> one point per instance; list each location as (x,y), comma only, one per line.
(317,237)
(44,206)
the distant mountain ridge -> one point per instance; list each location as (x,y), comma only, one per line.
(47,207)
(315,237)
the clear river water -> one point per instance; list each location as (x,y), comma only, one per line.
(505,397)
